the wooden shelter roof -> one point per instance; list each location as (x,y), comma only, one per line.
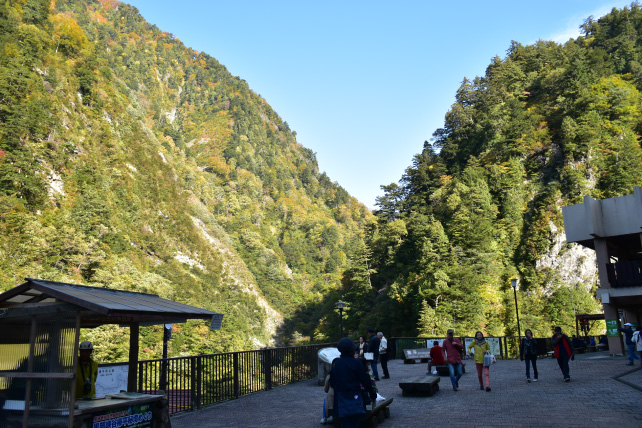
(97,305)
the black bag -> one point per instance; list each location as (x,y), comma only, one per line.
(349,403)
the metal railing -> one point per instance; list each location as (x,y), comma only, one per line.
(508,345)
(196,381)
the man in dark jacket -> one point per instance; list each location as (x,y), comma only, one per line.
(563,351)
(628,340)
(346,378)
(373,346)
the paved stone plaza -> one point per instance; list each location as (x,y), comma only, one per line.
(603,392)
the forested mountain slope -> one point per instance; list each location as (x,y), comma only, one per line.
(131,161)
(482,202)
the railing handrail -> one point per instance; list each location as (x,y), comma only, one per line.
(237,352)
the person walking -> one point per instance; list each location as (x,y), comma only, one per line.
(453,347)
(528,352)
(480,348)
(563,351)
(628,339)
(363,347)
(383,355)
(637,339)
(373,346)
(347,377)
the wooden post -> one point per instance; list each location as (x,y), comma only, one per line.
(132,377)
(72,400)
(32,345)
(235,363)
(267,368)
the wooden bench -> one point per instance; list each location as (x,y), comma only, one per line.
(442,369)
(420,385)
(410,356)
(373,415)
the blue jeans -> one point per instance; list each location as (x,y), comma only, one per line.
(531,359)
(452,368)
(373,367)
(632,353)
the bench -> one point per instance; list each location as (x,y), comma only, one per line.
(442,369)
(410,356)
(372,415)
(420,385)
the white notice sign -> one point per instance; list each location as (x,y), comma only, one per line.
(111,379)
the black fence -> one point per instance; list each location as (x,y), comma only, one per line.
(508,345)
(193,382)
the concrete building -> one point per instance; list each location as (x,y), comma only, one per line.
(613,228)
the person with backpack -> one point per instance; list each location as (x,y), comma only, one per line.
(347,377)
(373,346)
(563,351)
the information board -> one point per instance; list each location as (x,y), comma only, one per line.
(493,342)
(111,379)
(611,328)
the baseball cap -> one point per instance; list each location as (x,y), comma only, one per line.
(628,323)
(450,330)
(558,328)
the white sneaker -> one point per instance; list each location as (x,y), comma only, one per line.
(528,379)
(535,380)
(323,421)
(330,420)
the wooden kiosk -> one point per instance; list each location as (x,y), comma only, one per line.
(40,324)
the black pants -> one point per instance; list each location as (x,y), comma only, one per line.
(384,364)
(563,362)
(531,359)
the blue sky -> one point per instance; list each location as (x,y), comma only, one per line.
(364,83)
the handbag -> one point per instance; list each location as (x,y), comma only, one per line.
(369,356)
(349,403)
(488,360)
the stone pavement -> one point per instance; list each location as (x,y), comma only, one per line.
(603,392)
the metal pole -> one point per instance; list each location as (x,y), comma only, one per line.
(163,379)
(341,315)
(519,331)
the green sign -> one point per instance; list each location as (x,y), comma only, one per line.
(611,328)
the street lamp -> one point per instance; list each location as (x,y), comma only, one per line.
(513,282)
(341,305)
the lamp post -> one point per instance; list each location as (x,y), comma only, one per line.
(513,282)
(341,305)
